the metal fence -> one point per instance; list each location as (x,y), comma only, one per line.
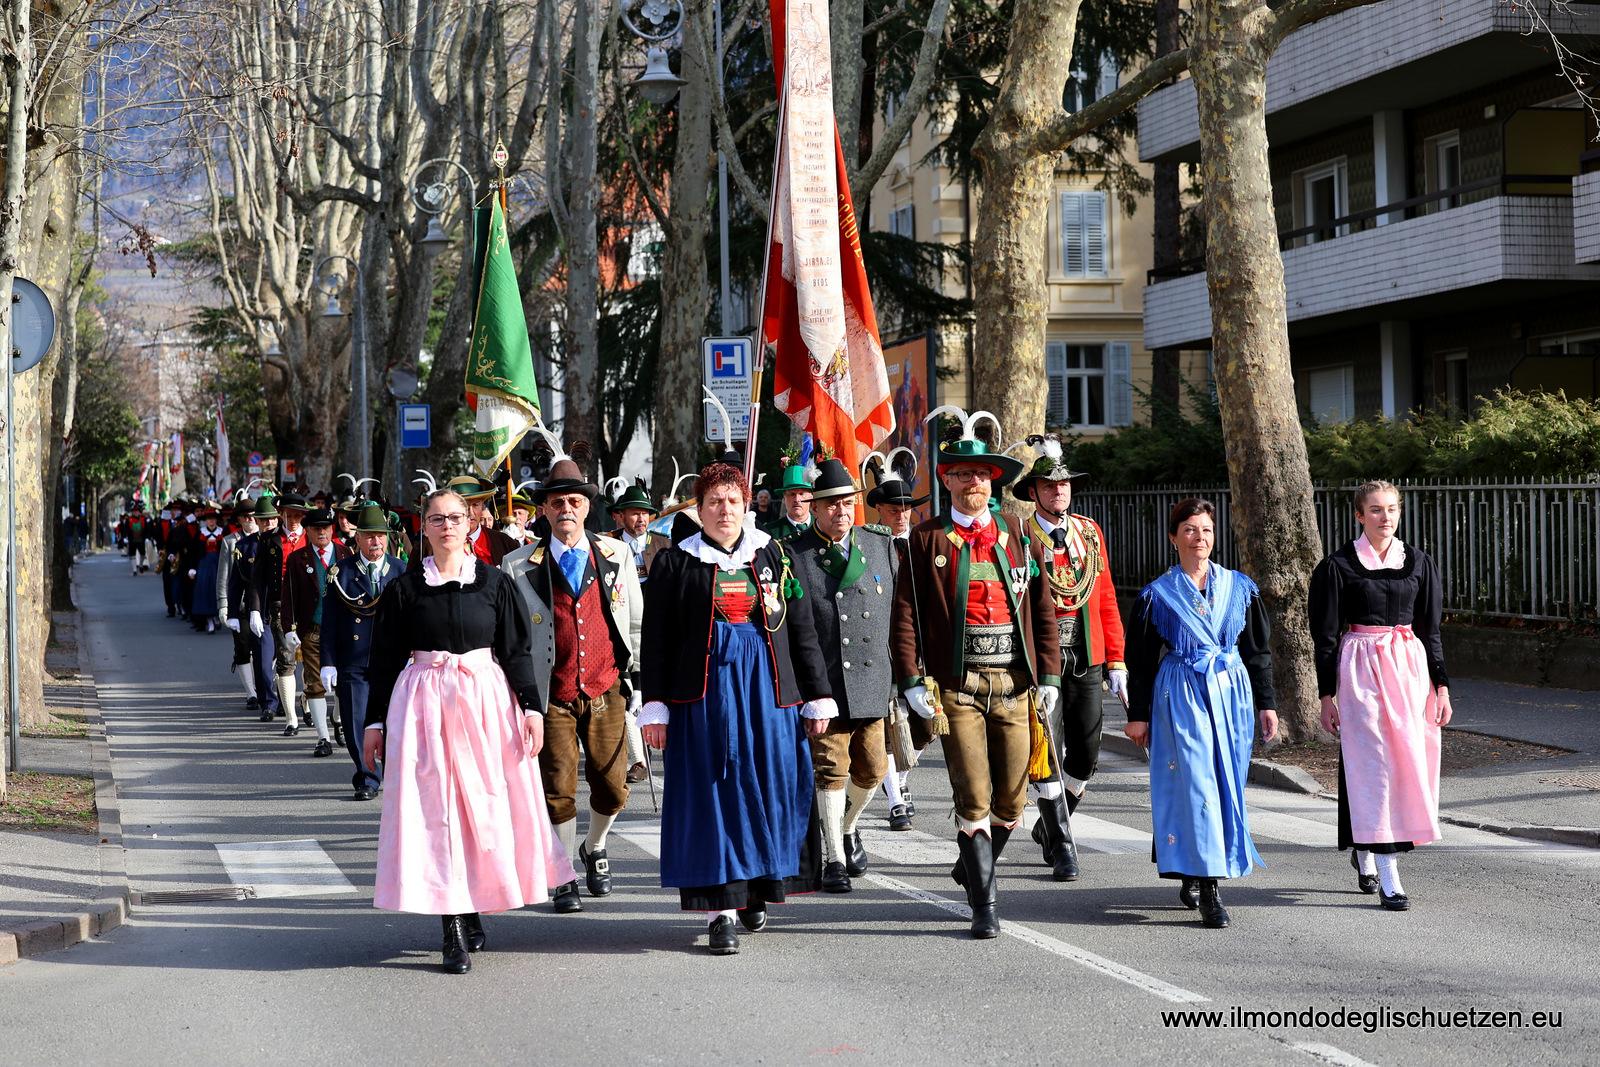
(1523,549)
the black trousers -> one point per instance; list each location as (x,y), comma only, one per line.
(1082,713)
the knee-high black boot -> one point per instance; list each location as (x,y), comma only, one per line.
(977,868)
(1054,832)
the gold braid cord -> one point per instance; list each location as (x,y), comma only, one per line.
(1073,591)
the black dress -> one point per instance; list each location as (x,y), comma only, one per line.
(1346,593)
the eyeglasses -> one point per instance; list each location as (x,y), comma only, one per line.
(439,522)
(971,476)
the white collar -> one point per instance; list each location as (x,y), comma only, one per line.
(469,572)
(1050,527)
(379,563)
(970,522)
(473,536)
(749,544)
(325,553)
(1394,561)
(559,548)
(636,543)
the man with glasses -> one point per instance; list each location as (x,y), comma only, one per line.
(972,635)
(586,609)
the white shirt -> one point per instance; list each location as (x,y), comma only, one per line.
(971,522)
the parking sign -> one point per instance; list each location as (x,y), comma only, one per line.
(727,375)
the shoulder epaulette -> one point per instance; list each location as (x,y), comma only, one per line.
(878,528)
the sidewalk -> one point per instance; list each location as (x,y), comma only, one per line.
(1555,799)
(57,889)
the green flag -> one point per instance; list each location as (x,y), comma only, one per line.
(500,383)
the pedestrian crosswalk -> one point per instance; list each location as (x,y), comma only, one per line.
(298,868)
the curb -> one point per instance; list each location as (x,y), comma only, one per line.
(1291,779)
(107,913)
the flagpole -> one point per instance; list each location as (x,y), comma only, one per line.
(758,347)
(505,209)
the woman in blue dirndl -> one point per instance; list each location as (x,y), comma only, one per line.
(732,682)
(1200,674)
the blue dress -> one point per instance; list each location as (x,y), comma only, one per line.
(203,605)
(1197,661)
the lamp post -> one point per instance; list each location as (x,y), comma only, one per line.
(358,350)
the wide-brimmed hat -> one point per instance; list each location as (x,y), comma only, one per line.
(635,496)
(1051,466)
(970,448)
(319,517)
(471,487)
(292,500)
(267,507)
(565,477)
(793,477)
(833,481)
(896,479)
(243,507)
(372,519)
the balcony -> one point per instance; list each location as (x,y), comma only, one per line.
(1586,211)
(1512,241)
(1395,55)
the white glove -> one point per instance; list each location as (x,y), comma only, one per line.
(255,623)
(291,641)
(918,700)
(1117,681)
(330,677)
(1049,697)
(193,572)
(635,702)
(232,624)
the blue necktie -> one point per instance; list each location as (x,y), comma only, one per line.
(572,567)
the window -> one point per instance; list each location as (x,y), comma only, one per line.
(1320,197)
(903,221)
(1091,386)
(1442,156)
(1457,388)
(1333,394)
(1090,78)
(647,242)
(1083,235)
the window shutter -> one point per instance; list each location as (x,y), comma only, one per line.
(1072,234)
(1094,233)
(1119,384)
(1055,367)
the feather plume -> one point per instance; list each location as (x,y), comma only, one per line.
(550,439)
(883,465)
(1019,444)
(1047,445)
(615,487)
(427,479)
(691,476)
(977,417)
(520,486)
(907,470)
(722,414)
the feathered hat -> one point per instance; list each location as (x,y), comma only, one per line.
(1050,466)
(970,448)
(566,475)
(894,478)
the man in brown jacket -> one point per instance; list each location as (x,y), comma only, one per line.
(306,575)
(967,642)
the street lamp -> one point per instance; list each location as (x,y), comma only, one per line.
(432,195)
(331,284)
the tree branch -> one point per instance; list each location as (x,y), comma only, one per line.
(725,139)
(1061,131)
(633,149)
(884,19)
(867,176)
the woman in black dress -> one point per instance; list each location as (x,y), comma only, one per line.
(732,682)
(1375,610)
(454,712)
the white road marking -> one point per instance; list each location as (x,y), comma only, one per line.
(1328,1053)
(284,868)
(645,833)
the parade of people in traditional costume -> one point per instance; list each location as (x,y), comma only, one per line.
(1375,611)
(1200,677)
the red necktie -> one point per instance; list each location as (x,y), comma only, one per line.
(983,536)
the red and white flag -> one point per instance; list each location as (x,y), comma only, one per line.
(828,372)
(224,479)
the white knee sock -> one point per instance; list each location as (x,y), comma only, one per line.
(1075,786)
(1389,873)
(830,812)
(891,785)
(1364,863)
(856,800)
(247,678)
(713,916)
(1048,790)
(318,707)
(567,834)
(971,826)
(286,697)
(599,827)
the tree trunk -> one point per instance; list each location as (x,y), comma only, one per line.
(1267,470)
(1010,244)
(581,418)
(685,289)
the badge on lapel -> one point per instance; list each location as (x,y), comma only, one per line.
(771,600)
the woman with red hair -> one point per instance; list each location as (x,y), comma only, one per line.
(732,682)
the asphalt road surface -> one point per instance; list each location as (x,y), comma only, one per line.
(308,972)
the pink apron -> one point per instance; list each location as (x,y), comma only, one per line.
(1388,737)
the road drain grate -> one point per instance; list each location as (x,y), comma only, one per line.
(195,896)
(1580,780)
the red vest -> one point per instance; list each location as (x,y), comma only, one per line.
(589,665)
(482,548)
(986,598)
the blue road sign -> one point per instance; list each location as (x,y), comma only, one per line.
(416,426)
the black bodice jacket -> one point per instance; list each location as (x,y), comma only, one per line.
(1146,647)
(416,617)
(1345,594)
(675,648)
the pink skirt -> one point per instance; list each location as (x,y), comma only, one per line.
(1387,736)
(464,828)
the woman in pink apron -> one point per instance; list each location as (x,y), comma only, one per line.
(454,716)
(1375,609)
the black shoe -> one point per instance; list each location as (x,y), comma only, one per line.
(753,916)
(172,613)
(291,731)
(252,704)
(911,806)
(266,716)
(476,938)
(899,817)
(457,958)
(835,878)
(324,748)
(1054,832)
(365,793)
(565,899)
(596,870)
(855,855)
(637,773)
(977,869)
(1367,883)
(1212,914)
(723,939)
(1189,893)
(338,734)
(1398,902)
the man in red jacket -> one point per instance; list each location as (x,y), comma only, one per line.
(1072,555)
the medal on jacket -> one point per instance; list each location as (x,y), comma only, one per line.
(770,600)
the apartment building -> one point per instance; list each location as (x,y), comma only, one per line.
(1437,193)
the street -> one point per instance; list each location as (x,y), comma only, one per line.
(308,972)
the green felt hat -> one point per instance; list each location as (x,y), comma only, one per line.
(372,519)
(635,496)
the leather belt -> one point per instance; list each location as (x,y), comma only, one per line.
(990,646)
(1067,627)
